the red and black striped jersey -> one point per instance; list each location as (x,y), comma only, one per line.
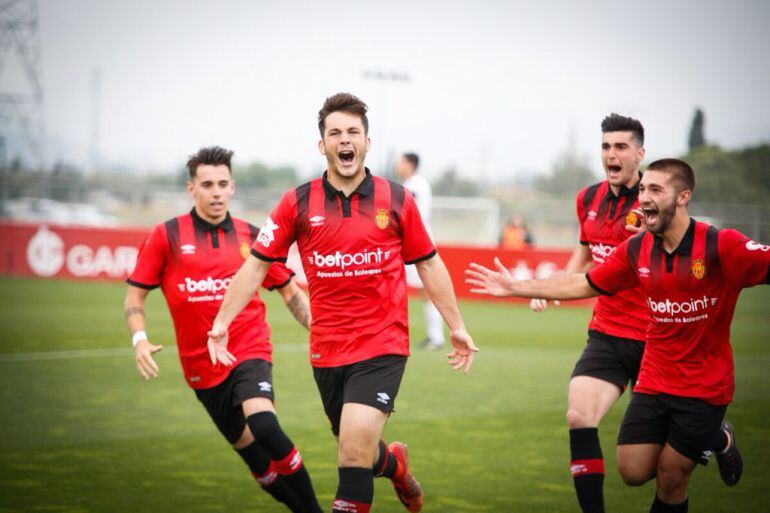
(690,295)
(193,263)
(353,251)
(603,217)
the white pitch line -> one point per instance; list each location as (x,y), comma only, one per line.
(111,351)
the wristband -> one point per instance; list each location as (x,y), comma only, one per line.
(139,335)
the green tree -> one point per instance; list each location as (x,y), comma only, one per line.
(568,175)
(450,184)
(697,134)
(733,176)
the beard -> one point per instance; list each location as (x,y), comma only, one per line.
(666,214)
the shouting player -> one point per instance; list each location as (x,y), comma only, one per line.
(611,358)
(691,274)
(355,232)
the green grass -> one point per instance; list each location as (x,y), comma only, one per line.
(86,434)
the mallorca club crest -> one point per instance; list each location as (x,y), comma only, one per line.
(698,269)
(382,218)
(245,250)
(632,219)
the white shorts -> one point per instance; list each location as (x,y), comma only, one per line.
(412,277)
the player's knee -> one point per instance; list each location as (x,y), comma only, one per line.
(671,481)
(634,475)
(263,426)
(577,418)
(352,454)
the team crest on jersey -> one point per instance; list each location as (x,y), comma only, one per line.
(632,219)
(698,269)
(382,218)
(244,250)
(592,215)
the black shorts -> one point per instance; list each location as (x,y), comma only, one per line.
(372,382)
(252,378)
(611,359)
(689,425)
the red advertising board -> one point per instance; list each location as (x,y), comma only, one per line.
(52,251)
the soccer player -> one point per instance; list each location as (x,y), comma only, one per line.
(612,356)
(406,170)
(193,258)
(355,232)
(691,274)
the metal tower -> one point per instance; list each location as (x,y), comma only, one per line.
(21,111)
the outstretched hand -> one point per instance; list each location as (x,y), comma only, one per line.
(461,356)
(145,363)
(217,344)
(498,283)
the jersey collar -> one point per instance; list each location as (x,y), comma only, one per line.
(685,245)
(630,192)
(365,188)
(203,225)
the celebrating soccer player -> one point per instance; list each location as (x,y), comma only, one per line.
(611,358)
(193,258)
(406,170)
(691,274)
(355,232)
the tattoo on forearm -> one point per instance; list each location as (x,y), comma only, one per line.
(133,310)
(299,309)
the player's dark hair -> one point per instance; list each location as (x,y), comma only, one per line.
(344,102)
(679,171)
(212,156)
(413,159)
(617,123)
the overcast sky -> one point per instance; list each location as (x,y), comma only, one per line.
(496,88)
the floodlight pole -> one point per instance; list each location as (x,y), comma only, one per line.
(384,78)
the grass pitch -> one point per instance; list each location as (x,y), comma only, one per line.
(82,432)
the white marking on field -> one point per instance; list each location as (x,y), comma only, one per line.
(112,351)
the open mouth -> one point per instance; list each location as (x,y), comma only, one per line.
(651,214)
(614,169)
(346,156)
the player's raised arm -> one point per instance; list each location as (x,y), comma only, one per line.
(133,309)
(243,287)
(438,285)
(579,261)
(500,283)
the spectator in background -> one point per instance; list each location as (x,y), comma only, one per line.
(406,170)
(515,234)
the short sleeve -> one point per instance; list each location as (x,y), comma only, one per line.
(151,261)
(745,262)
(278,232)
(416,243)
(278,276)
(615,274)
(581,216)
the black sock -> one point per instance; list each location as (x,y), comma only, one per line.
(264,473)
(658,506)
(587,468)
(286,458)
(720,442)
(386,462)
(355,490)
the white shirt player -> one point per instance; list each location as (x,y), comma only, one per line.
(420,189)
(434,325)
